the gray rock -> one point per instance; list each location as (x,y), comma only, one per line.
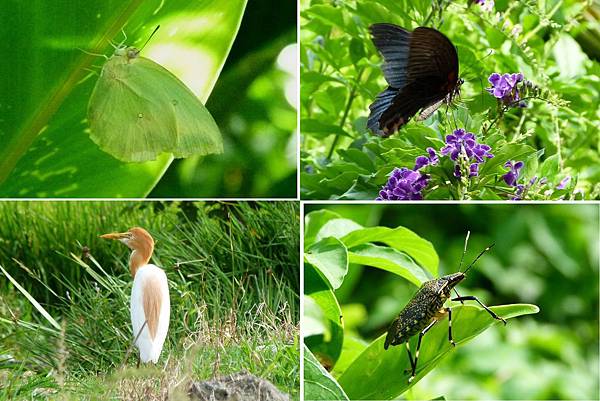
(240,386)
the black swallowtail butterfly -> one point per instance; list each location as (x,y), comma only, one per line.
(421,69)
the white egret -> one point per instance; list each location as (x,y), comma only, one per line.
(150,304)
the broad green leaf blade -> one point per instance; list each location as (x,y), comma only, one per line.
(47,152)
(318,290)
(390,260)
(337,228)
(318,383)
(353,346)
(330,257)
(379,374)
(31,299)
(399,238)
(313,222)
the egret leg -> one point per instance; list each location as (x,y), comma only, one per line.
(131,346)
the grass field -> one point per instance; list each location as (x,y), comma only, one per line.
(233,271)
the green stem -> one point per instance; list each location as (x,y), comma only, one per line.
(346,112)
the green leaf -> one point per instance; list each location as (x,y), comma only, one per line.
(46,151)
(390,260)
(320,128)
(318,383)
(330,257)
(379,374)
(399,238)
(550,168)
(313,222)
(503,154)
(353,346)
(31,299)
(329,345)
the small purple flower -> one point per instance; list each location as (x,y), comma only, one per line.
(423,161)
(457,141)
(474,170)
(504,87)
(513,174)
(563,183)
(404,184)
(480,151)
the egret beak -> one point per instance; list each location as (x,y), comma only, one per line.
(116,236)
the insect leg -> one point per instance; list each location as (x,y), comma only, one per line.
(421,334)
(474,298)
(410,358)
(449,310)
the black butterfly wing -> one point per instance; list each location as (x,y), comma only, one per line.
(393,42)
(430,73)
(433,57)
(401,107)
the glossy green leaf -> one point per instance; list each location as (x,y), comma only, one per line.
(330,257)
(401,239)
(327,346)
(390,260)
(46,151)
(318,383)
(379,374)
(325,223)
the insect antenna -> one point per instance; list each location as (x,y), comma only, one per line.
(478,256)
(462,257)
(150,37)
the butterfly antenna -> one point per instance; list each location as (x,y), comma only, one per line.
(150,37)
(478,256)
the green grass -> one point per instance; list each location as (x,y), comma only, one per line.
(234,281)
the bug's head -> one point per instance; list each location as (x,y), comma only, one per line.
(446,284)
(129,52)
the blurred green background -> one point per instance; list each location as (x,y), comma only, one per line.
(254,103)
(544,254)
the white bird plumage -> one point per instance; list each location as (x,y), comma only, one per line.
(150,302)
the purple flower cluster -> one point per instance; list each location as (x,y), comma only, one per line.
(512,179)
(460,146)
(404,184)
(463,148)
(505,88)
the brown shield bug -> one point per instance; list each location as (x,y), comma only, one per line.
(426,308)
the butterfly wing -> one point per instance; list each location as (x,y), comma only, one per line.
(425,79)
(401,107)
(393,43)
(433,58)
(139,110)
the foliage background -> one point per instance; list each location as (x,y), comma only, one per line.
(543,254)
(554,44)
(233,279)
(45,89)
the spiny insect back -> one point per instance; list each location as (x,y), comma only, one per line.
(427,308)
